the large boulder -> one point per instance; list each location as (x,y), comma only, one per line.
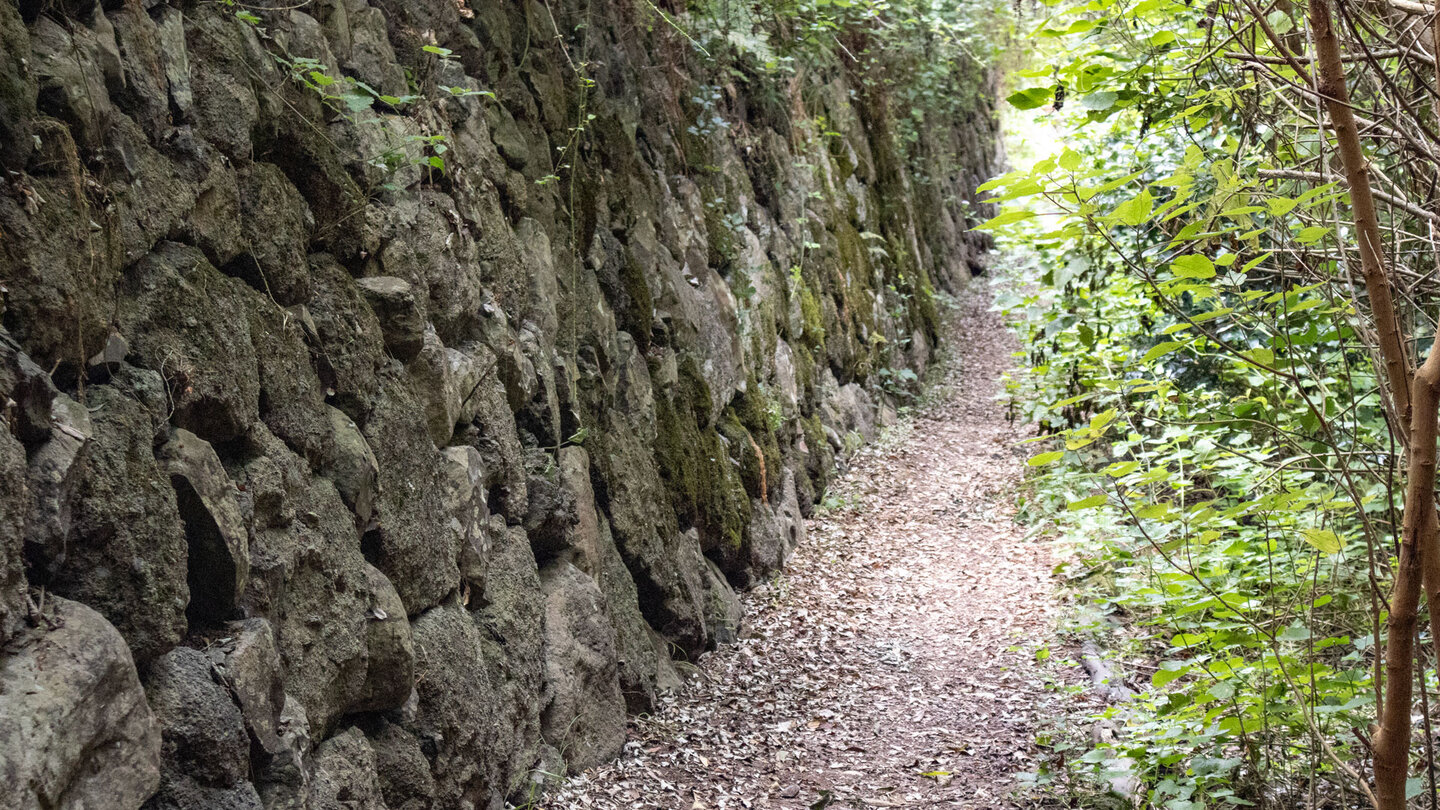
(13,506)
(345,774)
(775,529)
(411,541)
(723,613)
(437,261)
(17,89)
(595,554)
(662,562)
(292,396)
(468,515)
(75,729)
(226,62)
(145,94)
(585,716)
(70,64)
(185,319)
(276,225)
(56,468)
(205,749)
(347,343)
(247,660)
(125,552)
(456,718)
(285,780)
(351,465)
(511,618)
(401,312)
(401,767)
(341,626)
(218,539)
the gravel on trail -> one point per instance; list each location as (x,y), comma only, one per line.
(894,663)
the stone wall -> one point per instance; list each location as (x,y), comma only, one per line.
(380,445)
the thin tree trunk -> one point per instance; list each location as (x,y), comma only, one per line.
(1416,406)
(1331,77)
(1392,738)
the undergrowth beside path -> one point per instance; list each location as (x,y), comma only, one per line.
(894,664)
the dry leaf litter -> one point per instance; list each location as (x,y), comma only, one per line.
(894,662)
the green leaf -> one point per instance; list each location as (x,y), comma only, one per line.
(1280,206)
(1160,350)
(1260,357)
(1295,632)
(1192,266)
(1255,262)
(1002,180)
(1312,234)
(1163,676)
(1135,210)
(1031,99)
(1088,503)
(1311,197)
(1323,539)
(1041,459)
(1186,640)
(1103,100)
(356,102)
(1008,217)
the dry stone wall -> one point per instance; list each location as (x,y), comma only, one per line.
(384,454)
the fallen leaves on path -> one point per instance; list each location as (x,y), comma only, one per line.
(894,662)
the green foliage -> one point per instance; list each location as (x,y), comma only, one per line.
(1212,511)
(1215,445)
(356,102)
(345,94)
(899,383)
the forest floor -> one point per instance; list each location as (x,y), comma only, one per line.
(894,663)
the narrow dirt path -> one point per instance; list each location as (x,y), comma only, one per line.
(894,663)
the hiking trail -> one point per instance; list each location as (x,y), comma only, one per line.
(893,663)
